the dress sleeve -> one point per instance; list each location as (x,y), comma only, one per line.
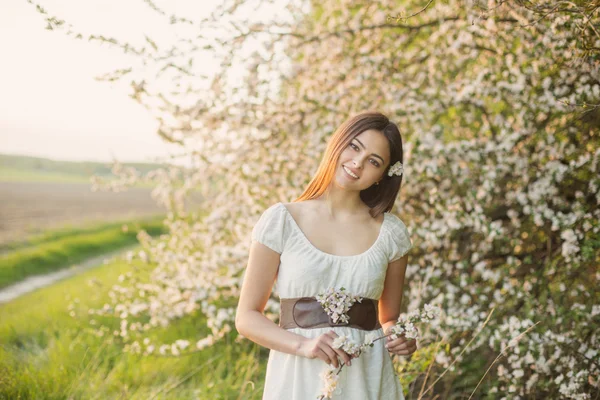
(269,230)
(400,242)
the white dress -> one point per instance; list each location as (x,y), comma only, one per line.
(308,271)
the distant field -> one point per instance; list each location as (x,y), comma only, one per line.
(11,164)
(29,208)
(40,194)
(8,174)
(18,168)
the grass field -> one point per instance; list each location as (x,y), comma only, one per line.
(47,354)
(59,249)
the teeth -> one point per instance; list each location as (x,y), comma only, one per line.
(350,172)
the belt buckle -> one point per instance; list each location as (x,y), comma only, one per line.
(339,323)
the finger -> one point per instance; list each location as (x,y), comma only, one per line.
(408,352)
(400,339)
(331,354)
(326,343)
(397,348)
(393,349)
(400,350)
(411,345)
(345,356)
(403,344)
(409,341)
(320,354)
(323,356)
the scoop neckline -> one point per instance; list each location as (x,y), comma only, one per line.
(312,246)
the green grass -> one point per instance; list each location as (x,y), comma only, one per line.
(70,230)
(58,249)
(45,353)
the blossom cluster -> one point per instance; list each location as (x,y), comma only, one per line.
(331,378)
(406,323)
(396,169)
(337,302)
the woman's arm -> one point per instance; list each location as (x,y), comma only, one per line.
(391,297)
(258,282)
(389,307)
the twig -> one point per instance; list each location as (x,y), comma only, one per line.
(457,357)
(510,343)
(429,368)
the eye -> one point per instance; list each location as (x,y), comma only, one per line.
(355,147)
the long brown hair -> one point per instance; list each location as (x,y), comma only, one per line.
(379,198)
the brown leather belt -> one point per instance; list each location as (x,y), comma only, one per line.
(307,312)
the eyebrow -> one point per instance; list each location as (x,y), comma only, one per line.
(373,154)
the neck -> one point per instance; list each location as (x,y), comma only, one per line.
(342,203)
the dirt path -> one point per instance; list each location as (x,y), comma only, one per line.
(38,281)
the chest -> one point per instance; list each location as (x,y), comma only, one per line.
(336,238)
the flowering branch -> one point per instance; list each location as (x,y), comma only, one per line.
(404,326)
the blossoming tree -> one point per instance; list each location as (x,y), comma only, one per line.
(498,104)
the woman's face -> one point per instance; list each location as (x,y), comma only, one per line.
(367,156)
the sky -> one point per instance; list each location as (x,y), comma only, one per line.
(51,105)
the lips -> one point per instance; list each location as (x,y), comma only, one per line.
(353,171)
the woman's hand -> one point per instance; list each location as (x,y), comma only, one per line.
(322,347)
(401,346)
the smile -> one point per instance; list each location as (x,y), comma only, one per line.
(350,173)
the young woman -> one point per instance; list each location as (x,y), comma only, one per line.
(338,233)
